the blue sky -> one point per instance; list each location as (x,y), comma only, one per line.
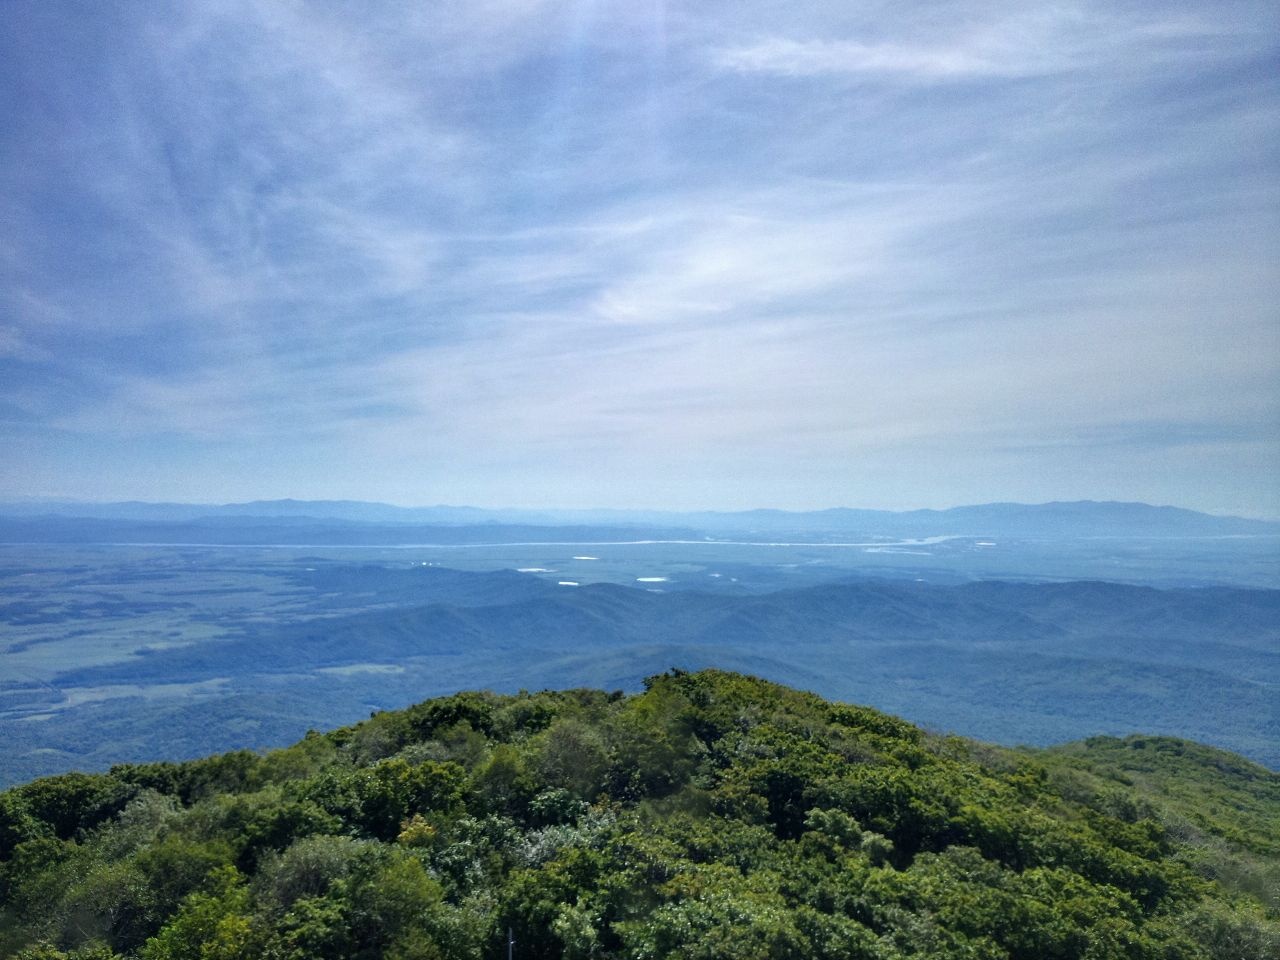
(641,254)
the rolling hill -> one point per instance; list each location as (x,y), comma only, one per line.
(712,816)
(1010,662)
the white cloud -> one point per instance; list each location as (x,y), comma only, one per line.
(987,41)
(546,238)
(807,58)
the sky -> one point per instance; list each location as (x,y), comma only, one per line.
(583,253)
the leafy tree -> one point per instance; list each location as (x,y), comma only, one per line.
(211,925)
(714,815)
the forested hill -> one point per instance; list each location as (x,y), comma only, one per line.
(711,816)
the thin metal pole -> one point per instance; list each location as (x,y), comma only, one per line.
(511,944)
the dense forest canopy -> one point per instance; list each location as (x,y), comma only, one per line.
(712,816)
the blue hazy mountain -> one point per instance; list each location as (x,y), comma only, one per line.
(254,530)
(753,550)
(1078,519)
(1013,662)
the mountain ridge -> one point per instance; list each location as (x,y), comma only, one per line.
(992,517)
(712,815)
(1061,661)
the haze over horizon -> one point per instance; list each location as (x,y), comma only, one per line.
(1089,512)
(581,253)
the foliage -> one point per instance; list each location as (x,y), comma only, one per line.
(712,816)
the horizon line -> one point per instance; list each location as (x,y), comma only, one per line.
(75,501)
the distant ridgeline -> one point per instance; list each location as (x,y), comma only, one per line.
(51,521)
(712,816)
(1014,663)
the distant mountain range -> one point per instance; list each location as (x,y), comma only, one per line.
(342,521)
(1013,662)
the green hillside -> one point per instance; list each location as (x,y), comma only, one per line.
(712,816)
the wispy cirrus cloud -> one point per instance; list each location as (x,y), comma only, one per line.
(558,252)
(808,58)
(1008,42)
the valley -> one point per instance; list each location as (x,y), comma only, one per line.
(129,652)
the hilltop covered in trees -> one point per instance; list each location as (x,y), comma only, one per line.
(712,816)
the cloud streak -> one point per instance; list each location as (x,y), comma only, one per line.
(811,58)
(641,254)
